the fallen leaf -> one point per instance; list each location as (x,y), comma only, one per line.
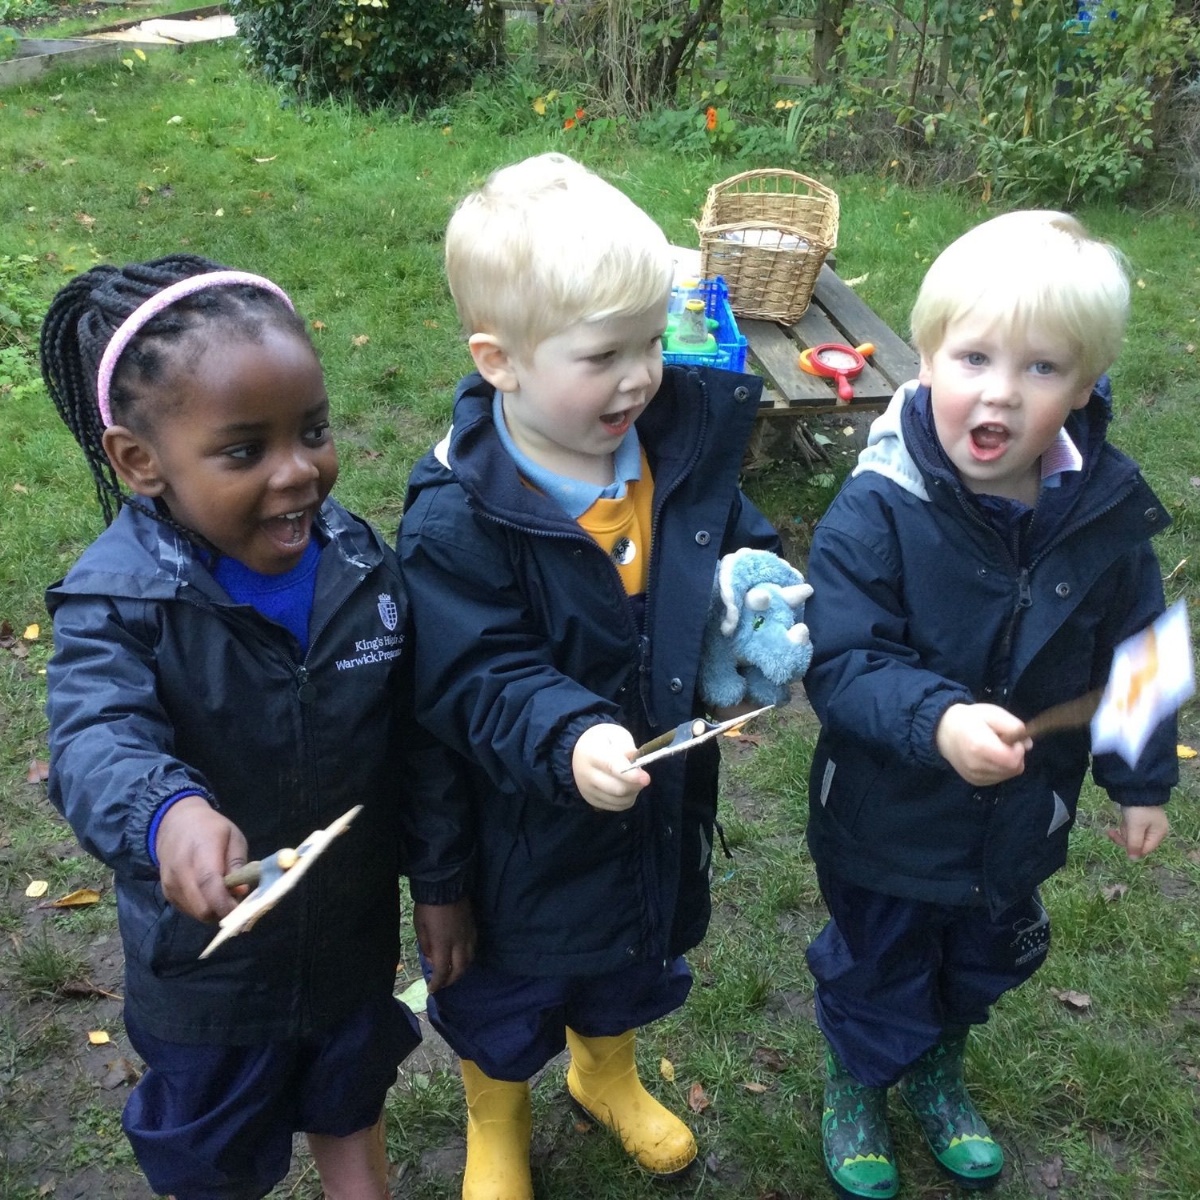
(219,213)
(36,888)
(1051,1172)
(1075,1001)
(98,1037)
(1115,892)
(359,339)
(415,996)
(267,160)
(768,1059)
(80,898)
(120,1072)
(84,220)
(140,53)
(430,324)
(752,1086)
(32,633)
(319,326)
(39,771)
(20,489)
(1182,751)
(175,120)
(583,1127)
(697,1100)
(666,1068)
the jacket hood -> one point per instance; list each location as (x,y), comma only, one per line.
(140,558)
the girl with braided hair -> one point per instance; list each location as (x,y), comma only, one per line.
(229,675)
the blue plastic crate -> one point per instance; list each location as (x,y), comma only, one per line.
(730,354)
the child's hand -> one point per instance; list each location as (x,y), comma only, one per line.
(600,756)
(1142,830)
(982,742)
(197,847)
(446,935)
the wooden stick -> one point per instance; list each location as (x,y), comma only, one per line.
(1073,714)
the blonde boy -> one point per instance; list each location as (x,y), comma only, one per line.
(988,553)
(559,547)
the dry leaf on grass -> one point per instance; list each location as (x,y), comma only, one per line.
(769,1059)
(697,1100)
(120,1072)
(666,1068)
(1075,1001)
(37,888)
(1051,1172)
(97,1037)
(80,898)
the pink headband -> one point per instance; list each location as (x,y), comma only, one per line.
(133,323)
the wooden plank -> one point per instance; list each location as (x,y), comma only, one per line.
(775,353)
(893,357)
(814,329)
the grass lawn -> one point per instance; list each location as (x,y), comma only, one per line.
(1095,1098)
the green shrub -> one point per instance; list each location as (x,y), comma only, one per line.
(400,52)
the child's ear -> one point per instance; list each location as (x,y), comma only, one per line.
(134,461)
(493,361)
(925,372)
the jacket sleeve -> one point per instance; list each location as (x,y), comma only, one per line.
(112,760)
(486,682)
(1136,601)
(866,681)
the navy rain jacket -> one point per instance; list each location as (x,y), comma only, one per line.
(525,638)
(160,683)
(919,604)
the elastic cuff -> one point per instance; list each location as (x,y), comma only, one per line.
(156,820)
(447,891)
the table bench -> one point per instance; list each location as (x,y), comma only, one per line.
(836,314)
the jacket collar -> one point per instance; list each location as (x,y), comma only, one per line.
(140,558)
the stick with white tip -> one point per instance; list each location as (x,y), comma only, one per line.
(275,876)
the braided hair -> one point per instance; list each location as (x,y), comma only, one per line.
(87,312)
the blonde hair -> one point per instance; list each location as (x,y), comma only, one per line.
(1030,270)
(545,244)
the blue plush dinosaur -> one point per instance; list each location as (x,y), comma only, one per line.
(755,641)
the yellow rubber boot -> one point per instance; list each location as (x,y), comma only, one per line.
(498,1129)
(603,1081)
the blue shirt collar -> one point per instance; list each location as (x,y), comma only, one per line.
(575,496)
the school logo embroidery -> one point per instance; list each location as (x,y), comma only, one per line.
(389,614)
(623,552)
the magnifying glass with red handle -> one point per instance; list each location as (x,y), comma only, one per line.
(839,362)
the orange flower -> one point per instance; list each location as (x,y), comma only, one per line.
(569,123)
(580,113)
(710,119)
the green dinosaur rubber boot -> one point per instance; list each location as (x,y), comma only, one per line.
(855,1137)
(956,1133)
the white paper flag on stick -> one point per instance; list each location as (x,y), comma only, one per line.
(1151,676)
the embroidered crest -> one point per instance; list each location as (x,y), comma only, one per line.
(389,614)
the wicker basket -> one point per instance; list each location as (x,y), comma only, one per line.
(767,232)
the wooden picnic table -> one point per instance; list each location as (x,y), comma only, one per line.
(836,314)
